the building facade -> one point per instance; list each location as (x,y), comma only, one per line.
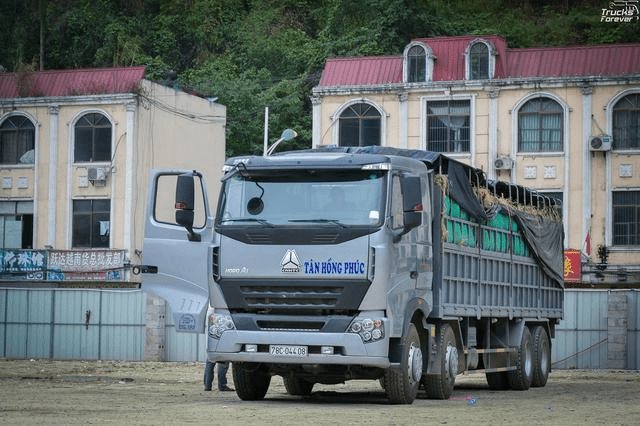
(76,148)
(564,121)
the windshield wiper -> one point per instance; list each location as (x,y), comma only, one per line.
(334,221)
(250,219)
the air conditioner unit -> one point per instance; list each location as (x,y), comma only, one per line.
(503,163)
(600,143)
(97,175)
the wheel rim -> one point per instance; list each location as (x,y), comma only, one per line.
(451,362)
(414,364)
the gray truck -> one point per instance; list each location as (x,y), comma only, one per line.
(326,265)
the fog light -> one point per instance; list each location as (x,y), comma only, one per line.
(251,348)
(326,350)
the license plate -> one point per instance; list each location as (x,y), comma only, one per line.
(288,350)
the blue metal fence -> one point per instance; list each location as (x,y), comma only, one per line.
(72,324)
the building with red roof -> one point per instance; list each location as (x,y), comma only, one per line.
(76,148)
(562,120)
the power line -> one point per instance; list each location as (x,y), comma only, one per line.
(202,118)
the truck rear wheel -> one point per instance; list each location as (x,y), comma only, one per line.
(541,357)
(297,386)
(440,386)
(521,377)
(250,380)
(401,385)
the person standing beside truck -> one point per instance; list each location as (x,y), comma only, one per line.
(222,369)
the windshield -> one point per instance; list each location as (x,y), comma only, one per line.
(338,198)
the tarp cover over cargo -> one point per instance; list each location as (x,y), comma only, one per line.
(538,216)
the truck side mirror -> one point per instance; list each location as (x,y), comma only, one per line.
(412,202)
(185,191)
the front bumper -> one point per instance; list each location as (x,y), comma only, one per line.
(348,348)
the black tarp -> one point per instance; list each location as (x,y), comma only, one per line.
(545,237)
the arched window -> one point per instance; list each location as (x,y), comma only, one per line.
(17,140)
(479,61)
(540,126)
(417,64)
(626,122)
(359,125)
(92,138)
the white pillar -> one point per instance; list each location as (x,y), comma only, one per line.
(316,124)
(52,207)
(129,179)
(492,149)
(586,162)
(403,120)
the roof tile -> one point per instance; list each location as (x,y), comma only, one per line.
(71,82)
(449,52)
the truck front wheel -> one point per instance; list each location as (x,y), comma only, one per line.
(250,380)
(297,386)
(401,385)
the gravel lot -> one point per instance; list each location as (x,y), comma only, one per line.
(107,392)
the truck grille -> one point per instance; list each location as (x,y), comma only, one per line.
(262,296)
(294,296)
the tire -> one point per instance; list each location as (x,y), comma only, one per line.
(521,377)
(297,386)
(250,380)
(498,380)
(541,357)
(401,385)
(441,385)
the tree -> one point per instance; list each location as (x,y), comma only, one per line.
(253,54)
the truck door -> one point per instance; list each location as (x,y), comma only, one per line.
(176,255)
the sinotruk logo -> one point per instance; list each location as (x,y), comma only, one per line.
(290,262)
(621,11)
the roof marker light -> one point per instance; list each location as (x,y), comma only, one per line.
(377,166)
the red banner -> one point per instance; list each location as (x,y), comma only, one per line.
(572,266)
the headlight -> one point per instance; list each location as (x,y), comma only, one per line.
(219,323)
(370,330)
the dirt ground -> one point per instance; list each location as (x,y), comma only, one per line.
(104,392)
